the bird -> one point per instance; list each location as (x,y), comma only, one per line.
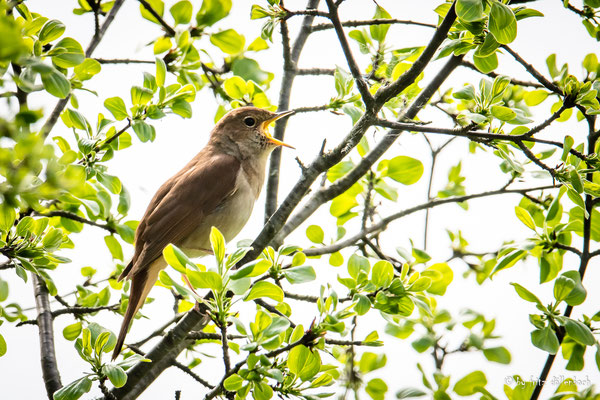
(218,187)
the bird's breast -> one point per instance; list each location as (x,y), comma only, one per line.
(229,217)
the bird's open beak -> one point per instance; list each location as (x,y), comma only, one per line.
(269,122)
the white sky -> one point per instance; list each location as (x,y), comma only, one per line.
(143,167)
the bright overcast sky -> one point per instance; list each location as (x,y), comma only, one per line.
(143,167)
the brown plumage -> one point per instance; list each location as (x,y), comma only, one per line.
(218,187)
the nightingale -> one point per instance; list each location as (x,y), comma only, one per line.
(218,187)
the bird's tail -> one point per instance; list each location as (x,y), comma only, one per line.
(141,284)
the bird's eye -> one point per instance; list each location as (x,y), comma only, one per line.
(249,121)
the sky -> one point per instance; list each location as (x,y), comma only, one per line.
(143,167)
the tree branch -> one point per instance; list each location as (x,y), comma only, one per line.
(381,225)
(535,73)
(290,59)
(406,79)
(170,31)
(46,333)
(60,105)
(353,24)
(75,217)
(493,74)
(362,86)
(323,195)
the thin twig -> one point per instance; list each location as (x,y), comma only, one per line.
(170,31)
(392,21)
(362,86)
(75,217)
(60,105)
(384,222)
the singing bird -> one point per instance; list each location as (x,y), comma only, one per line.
(218,187)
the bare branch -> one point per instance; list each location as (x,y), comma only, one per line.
(170,31)
(381,225)
(362,86)
(46,334)
(122,61)
(60,105)
(535,73)
(352,24)
(493,74)
(75,217)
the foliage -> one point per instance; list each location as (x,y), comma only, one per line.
(56,183)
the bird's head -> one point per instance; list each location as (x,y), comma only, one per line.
(246,129)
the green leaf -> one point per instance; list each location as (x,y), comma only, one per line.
(114,247)
(470,384)
(469,10)
(363,304)
(233,383)
(379,32)
(404,169)
(182,108)
(535,97)
(71,332)
(509,260)
(161,70)
(217,243)
(140,95)
(235,87)
(205,280)
(304,362)
(545,339)
(87,69)
(580,332)
(7,217)
(497,354)
(315,234)
(3,347)
(56,84)
(465,93)
(562,287)
(358,264)
(486,64)
(301,274)
(117,108)
(525,217)
(53,29)
(68,53)
(145,132)
(229,41)
(502,23)
(52,239)
(503,113)
(578,294)
(382,273)
(376,388)
(409,393)
(177,258)
(74,390)
(265,289)
(157,5)
(212,11)
(526,294)
(110,182)
(115,374)
(441,276)
(182,12)
(252,269)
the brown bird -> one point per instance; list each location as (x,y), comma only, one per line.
(218,187)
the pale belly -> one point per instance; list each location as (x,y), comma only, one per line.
(229,218)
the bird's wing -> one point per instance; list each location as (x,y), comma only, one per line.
(181,203)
